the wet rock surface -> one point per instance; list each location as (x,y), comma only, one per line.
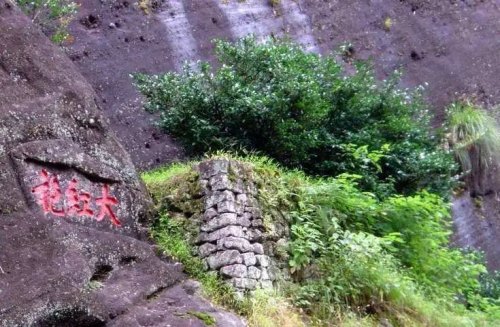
(111,40)
(73,214)
(475,223)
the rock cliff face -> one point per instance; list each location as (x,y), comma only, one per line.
(450,45)
(72,210)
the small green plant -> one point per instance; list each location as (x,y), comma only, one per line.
(388,22)
(53,16)
(274,3)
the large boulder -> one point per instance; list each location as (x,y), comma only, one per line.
(72,210)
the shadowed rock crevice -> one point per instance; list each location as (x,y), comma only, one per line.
(101,273)
(128,260)
(153,295)
(70,318)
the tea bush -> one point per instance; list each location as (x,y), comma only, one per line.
(306,112)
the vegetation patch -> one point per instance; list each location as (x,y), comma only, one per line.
(475,139)
(53,16)
(207,319)
(356,176)
(354,258)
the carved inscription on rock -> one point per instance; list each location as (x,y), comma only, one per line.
(74,201)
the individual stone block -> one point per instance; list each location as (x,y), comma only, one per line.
(266,284)
(224,258)
(220,221)
(237,271)
(249,259)
(217,197)
(206,249)
(262,260)
(252,202)
(241,198)
(258,248)
(257,223)
(204,186)
(205,264)
(254,235)
(239,208)
(254,272)
(220,182)
(238,186)
(226,206)
(272,271)
(265,274)
(235,243)
(224,220)
(247,215)
(235,231)
(209,214)
(254,211)
(245,283)
(213,167)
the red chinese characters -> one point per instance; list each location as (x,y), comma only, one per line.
(105,202)
(75,203)
(49,194)
(78,202)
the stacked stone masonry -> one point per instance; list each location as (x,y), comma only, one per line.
(232,230)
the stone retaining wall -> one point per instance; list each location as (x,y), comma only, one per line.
(233,237)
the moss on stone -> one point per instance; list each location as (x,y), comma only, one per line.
(207,319)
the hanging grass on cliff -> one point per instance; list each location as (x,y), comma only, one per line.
(474,136)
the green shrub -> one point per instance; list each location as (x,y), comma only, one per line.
(304,111)
(373,255)
(53,16)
